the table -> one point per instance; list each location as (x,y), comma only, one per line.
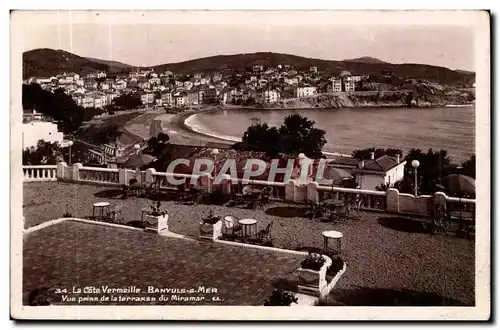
(100,207)
(335,236)
(247,225)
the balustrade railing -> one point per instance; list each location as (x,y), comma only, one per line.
(370,200)
(278,188)
(460,204)
(99,175)
(32,173)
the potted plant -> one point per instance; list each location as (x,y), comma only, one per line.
(280,297)
(211,227)
(312,272)
(155,218)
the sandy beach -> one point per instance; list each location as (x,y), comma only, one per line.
(155,121)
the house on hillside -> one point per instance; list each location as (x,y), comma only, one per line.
(336,84)
(180,99)
(167,99)
(302,91)
(147,98)
(271,96)
(385,170)
(349,86)
(209,95)
(257,68)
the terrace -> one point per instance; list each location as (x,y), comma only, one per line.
(389,262)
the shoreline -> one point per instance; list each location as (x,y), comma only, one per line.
(181,132)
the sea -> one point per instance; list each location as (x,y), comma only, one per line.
(348,129)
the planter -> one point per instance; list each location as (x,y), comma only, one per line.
(211,231)
(157,224)
(313,281)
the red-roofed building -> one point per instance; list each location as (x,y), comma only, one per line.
(373,173)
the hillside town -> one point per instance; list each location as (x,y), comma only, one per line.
(261,85)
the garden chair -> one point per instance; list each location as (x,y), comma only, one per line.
(341,214)
(116,214)
(231,224)
(153,189)
(354,209)
(264,235)
(265,196)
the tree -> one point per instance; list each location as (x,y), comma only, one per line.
(298,135)
(45,153)
(57,105)
(128,101)
(157,144)
(366,153)
(469,167)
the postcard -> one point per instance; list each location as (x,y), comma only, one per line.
(209,165)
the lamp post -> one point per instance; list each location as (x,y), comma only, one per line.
(215,152)
(415,163)
(69,144)
(137,148)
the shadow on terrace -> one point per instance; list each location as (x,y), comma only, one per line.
(377,255)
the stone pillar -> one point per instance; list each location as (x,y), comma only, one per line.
(62,171)
(122,176)
(75,175)
(290,190)
(150,176)
(205,181)
(439,199)
(225,184)
(392,200)
(300,192)
(312,192)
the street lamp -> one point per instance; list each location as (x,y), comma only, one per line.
(415,163)
(69,144)
(137,148)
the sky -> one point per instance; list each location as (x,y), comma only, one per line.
(148,44)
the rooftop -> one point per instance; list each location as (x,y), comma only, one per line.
(383,163)
(389,260)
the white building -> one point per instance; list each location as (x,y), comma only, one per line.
(349,86)
(374,173)
(40,130)
(305,91)
(147,98)
(336,85)
(271,96)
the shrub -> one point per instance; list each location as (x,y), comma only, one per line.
(280,297)
(337,265)
(67,215)
(313,261)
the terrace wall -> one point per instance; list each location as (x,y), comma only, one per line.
(294,191)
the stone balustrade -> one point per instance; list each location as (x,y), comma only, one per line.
(32,173)
(391,201)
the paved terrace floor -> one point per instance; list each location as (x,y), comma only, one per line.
(72,254)
(387,263)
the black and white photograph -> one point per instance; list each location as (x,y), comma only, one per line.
(322,162)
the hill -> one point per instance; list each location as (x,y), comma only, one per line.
(366,59)
(115,64)
(47,62)
(241,62)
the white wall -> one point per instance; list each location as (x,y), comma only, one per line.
(368,181)
(37,130)
(395,174)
